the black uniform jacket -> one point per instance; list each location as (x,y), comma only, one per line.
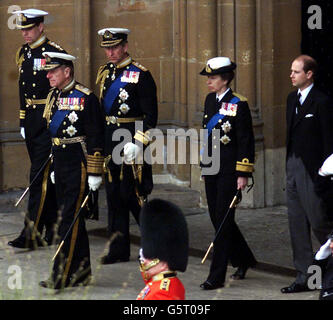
(128,92)
(33,84)
(232,117)
(75,113)
(310,132)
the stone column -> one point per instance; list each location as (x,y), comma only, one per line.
(82,47)
(247,56)
(180,53)
(202,47)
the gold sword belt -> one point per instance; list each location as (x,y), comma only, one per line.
(59,141)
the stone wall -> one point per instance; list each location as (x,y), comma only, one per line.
(173,39)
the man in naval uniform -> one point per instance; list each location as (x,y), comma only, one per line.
(33,89)
(129,101)
(75,122)
(164,250)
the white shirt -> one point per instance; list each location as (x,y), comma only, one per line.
(219,97)
(304,93)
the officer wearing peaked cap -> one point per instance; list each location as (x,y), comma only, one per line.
(164,250)
(129,101)
(74,119)
(227,120)
(33,90)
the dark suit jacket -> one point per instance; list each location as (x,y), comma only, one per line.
(310,132)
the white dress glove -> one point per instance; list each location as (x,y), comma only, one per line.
(94,182)
(327,167)
(324,251)
(22,132)
(52,177)
(131,151)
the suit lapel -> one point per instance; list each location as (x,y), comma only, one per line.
(305,107)
(291,110)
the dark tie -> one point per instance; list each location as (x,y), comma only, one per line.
(299,96)
(299,105)
(218,103)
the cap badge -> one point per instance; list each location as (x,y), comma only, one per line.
(208,68)
(22,18)
(108,34)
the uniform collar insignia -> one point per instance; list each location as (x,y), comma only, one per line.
(163,275)
(70,86)
(38,42)
(125,62)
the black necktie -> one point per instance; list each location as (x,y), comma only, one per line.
(299,105)
(299,96)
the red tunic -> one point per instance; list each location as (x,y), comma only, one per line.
(163,287)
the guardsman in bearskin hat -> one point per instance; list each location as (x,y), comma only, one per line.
(33,90)
(129,101)
(74,119)
(227,120)
(164,250)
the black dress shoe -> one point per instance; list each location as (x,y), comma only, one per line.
(296,287)
(209,286)
(49,283)
(240,273)
(109,259)
(23,243)
(19,243)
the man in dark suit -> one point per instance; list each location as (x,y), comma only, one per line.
(309,143)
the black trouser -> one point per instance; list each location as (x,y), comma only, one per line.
(230,245)
(42,204)
(121,199)
(306,211)
(73,262)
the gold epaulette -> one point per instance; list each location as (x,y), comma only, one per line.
(143,137)
(83,89)
(53,44)
(95,163)
(140,66)
(244,166)
(19,58)
(242,98)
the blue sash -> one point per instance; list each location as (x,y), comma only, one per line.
(113,91)
(60,115)
(214,121)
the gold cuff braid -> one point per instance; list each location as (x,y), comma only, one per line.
(95,163)
(22,114)
(244,166)
(143,137)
